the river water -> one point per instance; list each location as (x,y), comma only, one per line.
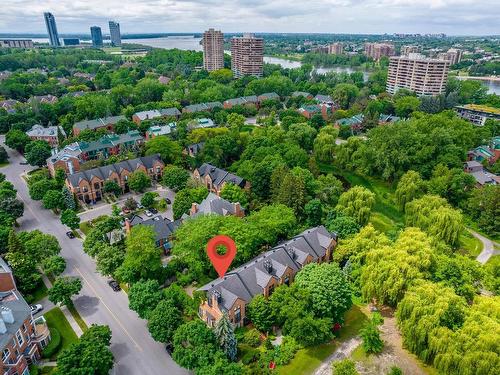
(189,42)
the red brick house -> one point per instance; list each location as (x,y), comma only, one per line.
(215,178)
(232,293)
(88,186)
(21,336)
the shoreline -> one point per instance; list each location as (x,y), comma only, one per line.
(478,78)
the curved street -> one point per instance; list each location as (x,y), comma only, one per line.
(134,350)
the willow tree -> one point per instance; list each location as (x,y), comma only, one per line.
(357,202)
(410,186)
(435,216)
(390,270)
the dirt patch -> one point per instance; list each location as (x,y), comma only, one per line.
(393,353)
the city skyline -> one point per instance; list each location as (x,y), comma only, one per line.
(453,17)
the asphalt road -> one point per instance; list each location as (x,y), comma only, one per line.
(135,352)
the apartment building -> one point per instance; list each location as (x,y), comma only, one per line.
(22,337)
(213,50)
(247,56)
(415,72)
(336,48)
(88,186)
(406,50)
(477,114)
(215,178)
(232,293)
(115,35)
(96,35)
(453,55)
(378,50)
(16,43)
(48,134)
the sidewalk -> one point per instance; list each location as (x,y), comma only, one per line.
(65,310)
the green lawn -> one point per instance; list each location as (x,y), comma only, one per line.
(38,294)
(78,318)
(308,359)
(470,245)
(56,319)
(385,214)
(85,227)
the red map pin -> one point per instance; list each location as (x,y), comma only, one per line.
(221,262)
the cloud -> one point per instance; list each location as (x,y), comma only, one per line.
(334,16)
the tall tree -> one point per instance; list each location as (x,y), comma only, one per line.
(37,152)
(164,320)
(357,202)
(70,219)
(138,181)
(63,289)
(144,296)
(410,186)
(224,333)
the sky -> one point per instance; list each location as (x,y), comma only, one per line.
(453,17)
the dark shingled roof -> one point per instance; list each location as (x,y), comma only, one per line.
(219,176)
(105,172)
(162,227)
(249,280)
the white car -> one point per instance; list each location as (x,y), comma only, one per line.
(148,213)
(36,308)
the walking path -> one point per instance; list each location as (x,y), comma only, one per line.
(343,351)
(488,247)
(64,309)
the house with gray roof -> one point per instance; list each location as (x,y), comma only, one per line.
(88,186)
(268,96)
(107,123)
(202,107)
(324,99)
(162,227)
(157,130)
(244,100)
(9,105)
(215,178)
(232,293)
(48,134)
(193,149)
(215,205)
(482,177)
(200,123)
(297,94)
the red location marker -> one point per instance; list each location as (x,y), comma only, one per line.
(221,262)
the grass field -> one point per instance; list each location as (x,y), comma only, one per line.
(308,359)
(56,319)
(78,318)
(470,245)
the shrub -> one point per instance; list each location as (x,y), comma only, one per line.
(54,344)
(252,338)
(286,351)
(251,355)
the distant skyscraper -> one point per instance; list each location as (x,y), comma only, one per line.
(213,50)
(247,56)
(114,32)
(336,48)
(96,34)
(50,22)
(377,50)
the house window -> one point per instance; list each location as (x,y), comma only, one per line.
(237,314)
(158,169)
(5,355)
(84,189)
(97,186)
(24,327)
(20,338)
(270,290)
(287,280)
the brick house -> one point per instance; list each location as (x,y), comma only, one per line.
(232,293)
(215,205)
(215,178)
(243,101)
(309,111)
(107,123)
(67,159)
(88,186)
(48,134)
(483,177)
(202,107)
(22,337)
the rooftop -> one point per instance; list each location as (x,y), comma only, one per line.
(40,131)
(98,123)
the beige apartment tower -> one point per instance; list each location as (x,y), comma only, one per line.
(213,50)
(377,50)
(417,73)
(336,48)
(247,56)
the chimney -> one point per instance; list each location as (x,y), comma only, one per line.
(3,328)
(268,265)
(128,227)
(238,212)
(194,209)
(7,315)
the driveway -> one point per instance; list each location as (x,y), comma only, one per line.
(134,350)
(488,247)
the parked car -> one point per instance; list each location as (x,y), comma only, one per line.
(114,285)
(70,234)
(24,163)
(168,201)
(148,213)
(36,308)
(153,211)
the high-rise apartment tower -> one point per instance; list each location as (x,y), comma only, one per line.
(213,50)
(247,56)
(50,22)
(114,32)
